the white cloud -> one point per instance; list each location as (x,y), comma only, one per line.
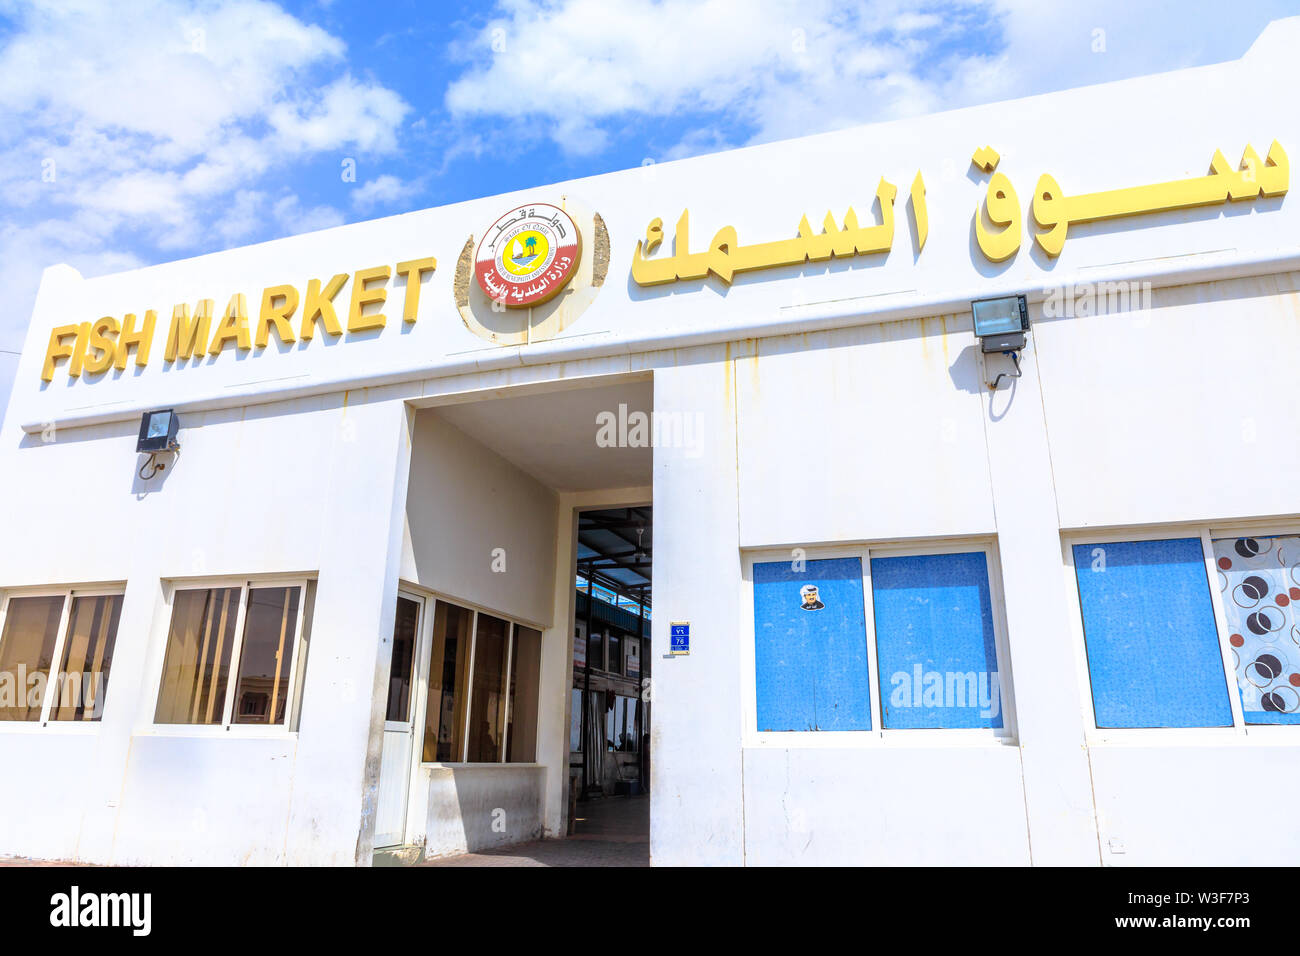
(346,113)
(779,67)
(159,105)
(697,141)
(177,73)
(911,22)
(24,254)
(381,191)
(153,126)
(785,68)
(305,219)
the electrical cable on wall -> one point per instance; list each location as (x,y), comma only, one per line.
(1015,358)
(157,467)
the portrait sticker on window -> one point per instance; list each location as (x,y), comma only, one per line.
(810,598)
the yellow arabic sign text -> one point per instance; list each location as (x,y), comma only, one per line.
(998,231)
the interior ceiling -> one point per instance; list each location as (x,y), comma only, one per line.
(615,545)
(552,436)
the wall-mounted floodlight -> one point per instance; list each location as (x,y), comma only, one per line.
(157,434)
(158,431)
(1001,324)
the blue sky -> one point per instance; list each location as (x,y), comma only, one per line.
(144,132)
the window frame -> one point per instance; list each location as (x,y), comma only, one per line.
(509,690)
(469,689)
(628,644)
(424,661)
(421,604)
(601,637)
(69,593)
(1206,532)
(878,735)
(610,657)
(227,729)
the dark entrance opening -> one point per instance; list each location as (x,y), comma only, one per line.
(609,748)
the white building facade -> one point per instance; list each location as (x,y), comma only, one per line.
(1056,624)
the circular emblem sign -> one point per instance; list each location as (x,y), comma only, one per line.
(528,255)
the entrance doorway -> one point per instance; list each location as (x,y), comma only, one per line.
(610,709)
(508,492)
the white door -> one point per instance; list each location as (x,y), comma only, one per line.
(395,763)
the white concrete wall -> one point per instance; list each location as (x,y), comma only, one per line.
(476,808)
(887,435)
(872,434)
(833,424)
(696,778)
(1172,805)
(307,487)
(891,807)
(1185,411)
(466,501)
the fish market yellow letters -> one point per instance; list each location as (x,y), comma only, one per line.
(92,347)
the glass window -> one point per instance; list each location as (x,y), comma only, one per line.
(615,652)
(486,725)
(1153,650)
(934,641)
(620,725)
(632,657)
(399,674)
(203,648)
(26,654)
(596,651)
(444,719)
(1259,583)
(87,657)
(197,665)
(30,642)
(266,652)
(810,646)
(525,675)
(484,709)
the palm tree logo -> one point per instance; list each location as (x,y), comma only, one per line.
(525,251)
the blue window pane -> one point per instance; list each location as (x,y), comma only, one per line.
(1153,648)
(934,641)
(810,646)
